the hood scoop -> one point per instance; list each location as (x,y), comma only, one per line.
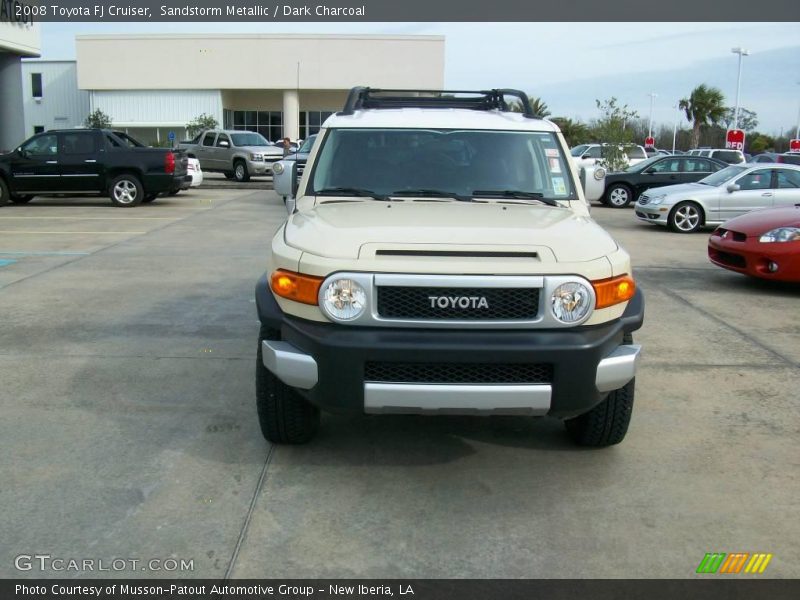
(457,254)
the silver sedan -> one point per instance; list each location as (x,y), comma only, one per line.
(723,195)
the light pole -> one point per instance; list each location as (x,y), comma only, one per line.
(741,52)
(675,127)
(650,126)
(797,131)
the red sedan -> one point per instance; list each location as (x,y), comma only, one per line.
(763,243)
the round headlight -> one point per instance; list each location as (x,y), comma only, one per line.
(599,173)
(571,302)
(344,299)
(277,168)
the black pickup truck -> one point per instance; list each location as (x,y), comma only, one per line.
(91,161)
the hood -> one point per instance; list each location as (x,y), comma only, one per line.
(268,150)
(758,222)
(357,229)
(692,189)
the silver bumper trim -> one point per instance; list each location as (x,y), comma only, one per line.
(289,364)
(417,398)
(618,368)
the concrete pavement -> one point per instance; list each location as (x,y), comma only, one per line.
(127,347)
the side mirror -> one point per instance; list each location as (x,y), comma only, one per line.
(22,153)
(284,178)
(649,171)
(224,144)
(733,187)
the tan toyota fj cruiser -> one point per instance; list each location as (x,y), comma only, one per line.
(439,257)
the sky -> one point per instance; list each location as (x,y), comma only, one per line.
(569,64)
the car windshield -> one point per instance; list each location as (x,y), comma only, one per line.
(249,139)
(579,150)
(451,163)
(307,145)
(722,176)
(639,167)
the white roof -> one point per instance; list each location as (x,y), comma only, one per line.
(439,118)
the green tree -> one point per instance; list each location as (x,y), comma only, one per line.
(538,106)
(760,143)
(200,123)
(614,129)
(574,132)
(704,106)
(748,120)
(97,120)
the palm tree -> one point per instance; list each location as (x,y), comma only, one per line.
(538,107)
(705,106)
(574,132)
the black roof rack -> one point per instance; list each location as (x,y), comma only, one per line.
(364,97)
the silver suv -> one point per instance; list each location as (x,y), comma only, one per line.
(237,154)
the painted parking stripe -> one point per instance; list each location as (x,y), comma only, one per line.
(54,253)
(93,218)
(6,262)
(74,232)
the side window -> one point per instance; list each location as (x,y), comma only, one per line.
(78,143)
(208,139)
(113,141)
(223,138)
(44,145)
(36,84)
(672,165)
(757,180)
(697,165)
(593,152)
(788,179)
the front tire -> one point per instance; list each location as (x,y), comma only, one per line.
(126,191)
(4,193)
(240,173)
(686,217)
(285,416)
(607,423)
(618,195)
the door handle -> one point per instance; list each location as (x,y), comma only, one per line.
(91,160)
(52,162)
(767,194)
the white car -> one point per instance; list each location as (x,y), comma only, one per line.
(588,155)
(727,155)
(193,168)
(723,195)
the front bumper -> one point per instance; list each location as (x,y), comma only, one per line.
(754,258)
(326,363)
(652,213)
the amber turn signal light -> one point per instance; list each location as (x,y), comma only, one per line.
(609,292)
(295,286)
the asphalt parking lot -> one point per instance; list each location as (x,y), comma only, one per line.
(129,430)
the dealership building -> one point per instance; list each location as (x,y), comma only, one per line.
(19,38)
(278,85)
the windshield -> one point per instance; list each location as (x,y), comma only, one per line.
(249,139)
(443,162)
(722,176)
(307,145)
(579,150)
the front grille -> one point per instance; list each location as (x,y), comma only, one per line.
(465,373)
(736,236)
(462,304)
(728,258)
(643,199)
(301,165)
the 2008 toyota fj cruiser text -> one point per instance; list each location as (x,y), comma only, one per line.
(439,257)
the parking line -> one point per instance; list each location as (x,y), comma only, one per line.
(97,218)
(52,253)
(77,232)
(6,262)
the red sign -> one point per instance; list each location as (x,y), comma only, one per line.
(649,142)
(794,146)
(735,139)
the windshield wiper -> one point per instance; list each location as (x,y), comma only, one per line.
(432,193)
(349,191)
(516,194)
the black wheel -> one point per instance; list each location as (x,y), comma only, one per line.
(607,423)
(686,217)
(21,199)
(126,191)
(240,173)
(148,198)
(618,195)
(4,194)
(228,175)
(285,416)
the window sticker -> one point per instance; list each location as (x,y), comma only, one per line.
(559,187)
(555,165)
(551,152)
